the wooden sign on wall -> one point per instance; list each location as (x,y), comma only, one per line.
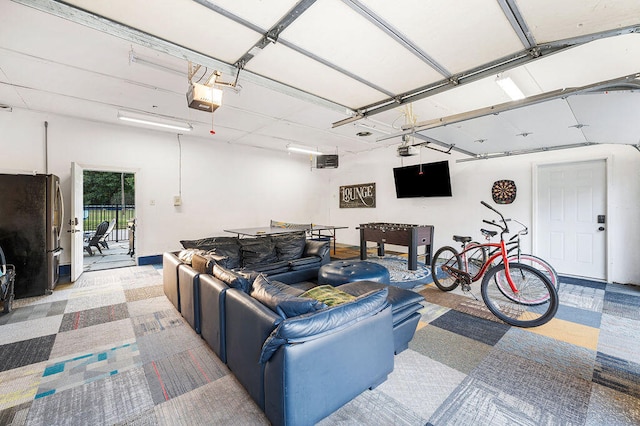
(361,195)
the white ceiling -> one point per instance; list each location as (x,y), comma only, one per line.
(329,69)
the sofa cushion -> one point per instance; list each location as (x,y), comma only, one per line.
(316,324)
(228,252)
(203,262)
(202,243)
(289,246)
(232,279)
(328,294)
(270,268)
(305,263)
(285,303)
(318,248)
(186,255)
(257,251)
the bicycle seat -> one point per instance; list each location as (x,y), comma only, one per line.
(488,233)
(460,239)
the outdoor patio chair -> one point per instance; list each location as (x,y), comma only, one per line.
(94,240)
(103,239)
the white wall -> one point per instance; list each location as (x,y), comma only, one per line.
(223,186)
(462,214)
(229,186)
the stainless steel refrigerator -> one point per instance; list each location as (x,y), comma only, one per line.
(31,217)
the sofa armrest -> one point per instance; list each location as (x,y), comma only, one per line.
(318,248)
(170,263)
(248,323)
(189,291)
(303,383)
(212,314)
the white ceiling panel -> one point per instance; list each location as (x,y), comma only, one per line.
(259,12)
(285,65)
(596,61)
(56,61)
(184,22)
(356,45)
(446,29)
(621,125)
(551,20)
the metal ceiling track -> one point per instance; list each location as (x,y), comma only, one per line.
(483,71)
(116,29)
(272,36)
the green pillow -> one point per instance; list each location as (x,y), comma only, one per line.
(328,294)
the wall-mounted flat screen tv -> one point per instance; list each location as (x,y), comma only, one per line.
(423,180)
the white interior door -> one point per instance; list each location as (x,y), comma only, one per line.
(76,221)
(571,217)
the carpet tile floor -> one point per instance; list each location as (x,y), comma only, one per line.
(110,349)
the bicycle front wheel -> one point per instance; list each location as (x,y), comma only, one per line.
(444,259)
(516,307)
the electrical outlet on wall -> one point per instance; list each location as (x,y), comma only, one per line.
(177,200)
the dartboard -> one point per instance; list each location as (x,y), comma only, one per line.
(503,191)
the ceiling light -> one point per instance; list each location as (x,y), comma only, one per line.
(154,121)
(509,87)
(304,150)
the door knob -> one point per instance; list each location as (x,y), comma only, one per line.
(601,228)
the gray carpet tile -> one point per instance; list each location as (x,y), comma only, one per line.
(562,395)
(579,296)
(619,337)
(431,311)
(16,415)
(103,402)
(373,407)
(149,306)
(622,304)
(146,292)
(170,341)
(437,343)
(610,407)
(420,383)
(183,372)
(89,317)
(27,313)
(222,402)
(618,374)
(31,329)
(484,331)
(475,402)
(97,337)
(25,352)
(567,358)
(95,297)
(156,321)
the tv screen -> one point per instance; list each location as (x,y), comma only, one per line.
(423,180)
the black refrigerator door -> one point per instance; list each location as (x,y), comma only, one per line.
(23,231)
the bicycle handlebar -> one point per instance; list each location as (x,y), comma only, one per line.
(505,228)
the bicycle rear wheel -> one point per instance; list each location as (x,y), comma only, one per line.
(538,263)
(476,258)
(517,308)
(445,258)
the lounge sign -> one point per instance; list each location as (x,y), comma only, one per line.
(354,196)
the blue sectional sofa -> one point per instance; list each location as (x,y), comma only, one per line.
(298,359)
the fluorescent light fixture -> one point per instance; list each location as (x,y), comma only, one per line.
(154,121)
(304,150)
(509,87)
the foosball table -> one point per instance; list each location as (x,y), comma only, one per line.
(411,236)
